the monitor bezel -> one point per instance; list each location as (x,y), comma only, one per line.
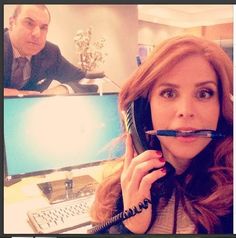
(8,178)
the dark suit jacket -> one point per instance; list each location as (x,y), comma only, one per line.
(47,65)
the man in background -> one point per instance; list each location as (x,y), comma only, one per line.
(31,62)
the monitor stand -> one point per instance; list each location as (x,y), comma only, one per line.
(68,189)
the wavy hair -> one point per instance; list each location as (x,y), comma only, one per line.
(204,204)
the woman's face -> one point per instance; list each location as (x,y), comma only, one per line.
(186,98)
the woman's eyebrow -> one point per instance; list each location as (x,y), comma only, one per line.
(168,85)
(197,84)
(206,82)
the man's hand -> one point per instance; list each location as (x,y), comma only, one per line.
(15,92)
(58,90)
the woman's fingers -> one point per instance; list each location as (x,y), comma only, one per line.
(149,179)
(143,157)
(132,164)
(142,169)
(129,151)
(139,167)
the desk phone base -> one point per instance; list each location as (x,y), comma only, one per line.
(68,189)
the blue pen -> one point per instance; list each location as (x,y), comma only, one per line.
(196,133)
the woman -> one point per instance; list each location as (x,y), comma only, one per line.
(187,82)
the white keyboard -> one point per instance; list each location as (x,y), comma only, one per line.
(62,216)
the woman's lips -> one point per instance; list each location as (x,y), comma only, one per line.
(187,139)
(186,129)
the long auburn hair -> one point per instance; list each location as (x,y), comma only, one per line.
(214,165)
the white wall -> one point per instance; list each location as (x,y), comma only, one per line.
(117,23)
(154,33)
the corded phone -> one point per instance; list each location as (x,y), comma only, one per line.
(138,120)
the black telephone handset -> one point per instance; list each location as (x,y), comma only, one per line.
(138,120)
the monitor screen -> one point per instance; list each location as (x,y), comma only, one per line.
(60,132)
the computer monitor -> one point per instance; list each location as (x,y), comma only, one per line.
(49,133)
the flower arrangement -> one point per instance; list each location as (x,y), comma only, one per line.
(90,54)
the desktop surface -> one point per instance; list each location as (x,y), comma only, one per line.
(26,196)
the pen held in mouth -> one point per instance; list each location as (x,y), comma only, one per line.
(204,133)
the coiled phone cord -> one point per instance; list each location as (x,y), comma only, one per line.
(120,217)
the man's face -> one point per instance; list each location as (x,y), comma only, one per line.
(28,31)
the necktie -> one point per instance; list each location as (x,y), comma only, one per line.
(17,74)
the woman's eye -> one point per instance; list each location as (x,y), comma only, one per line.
(205,93)
(168,93)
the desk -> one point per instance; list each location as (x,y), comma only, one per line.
(25,195)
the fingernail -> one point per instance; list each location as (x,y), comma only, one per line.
(163,170)
(159,154)
(162,159)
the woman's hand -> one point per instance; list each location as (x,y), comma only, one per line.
(136,182)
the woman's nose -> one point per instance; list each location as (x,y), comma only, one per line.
(185,108)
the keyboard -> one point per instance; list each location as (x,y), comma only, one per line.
(62,216)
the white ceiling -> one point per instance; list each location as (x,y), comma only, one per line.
(185,16)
